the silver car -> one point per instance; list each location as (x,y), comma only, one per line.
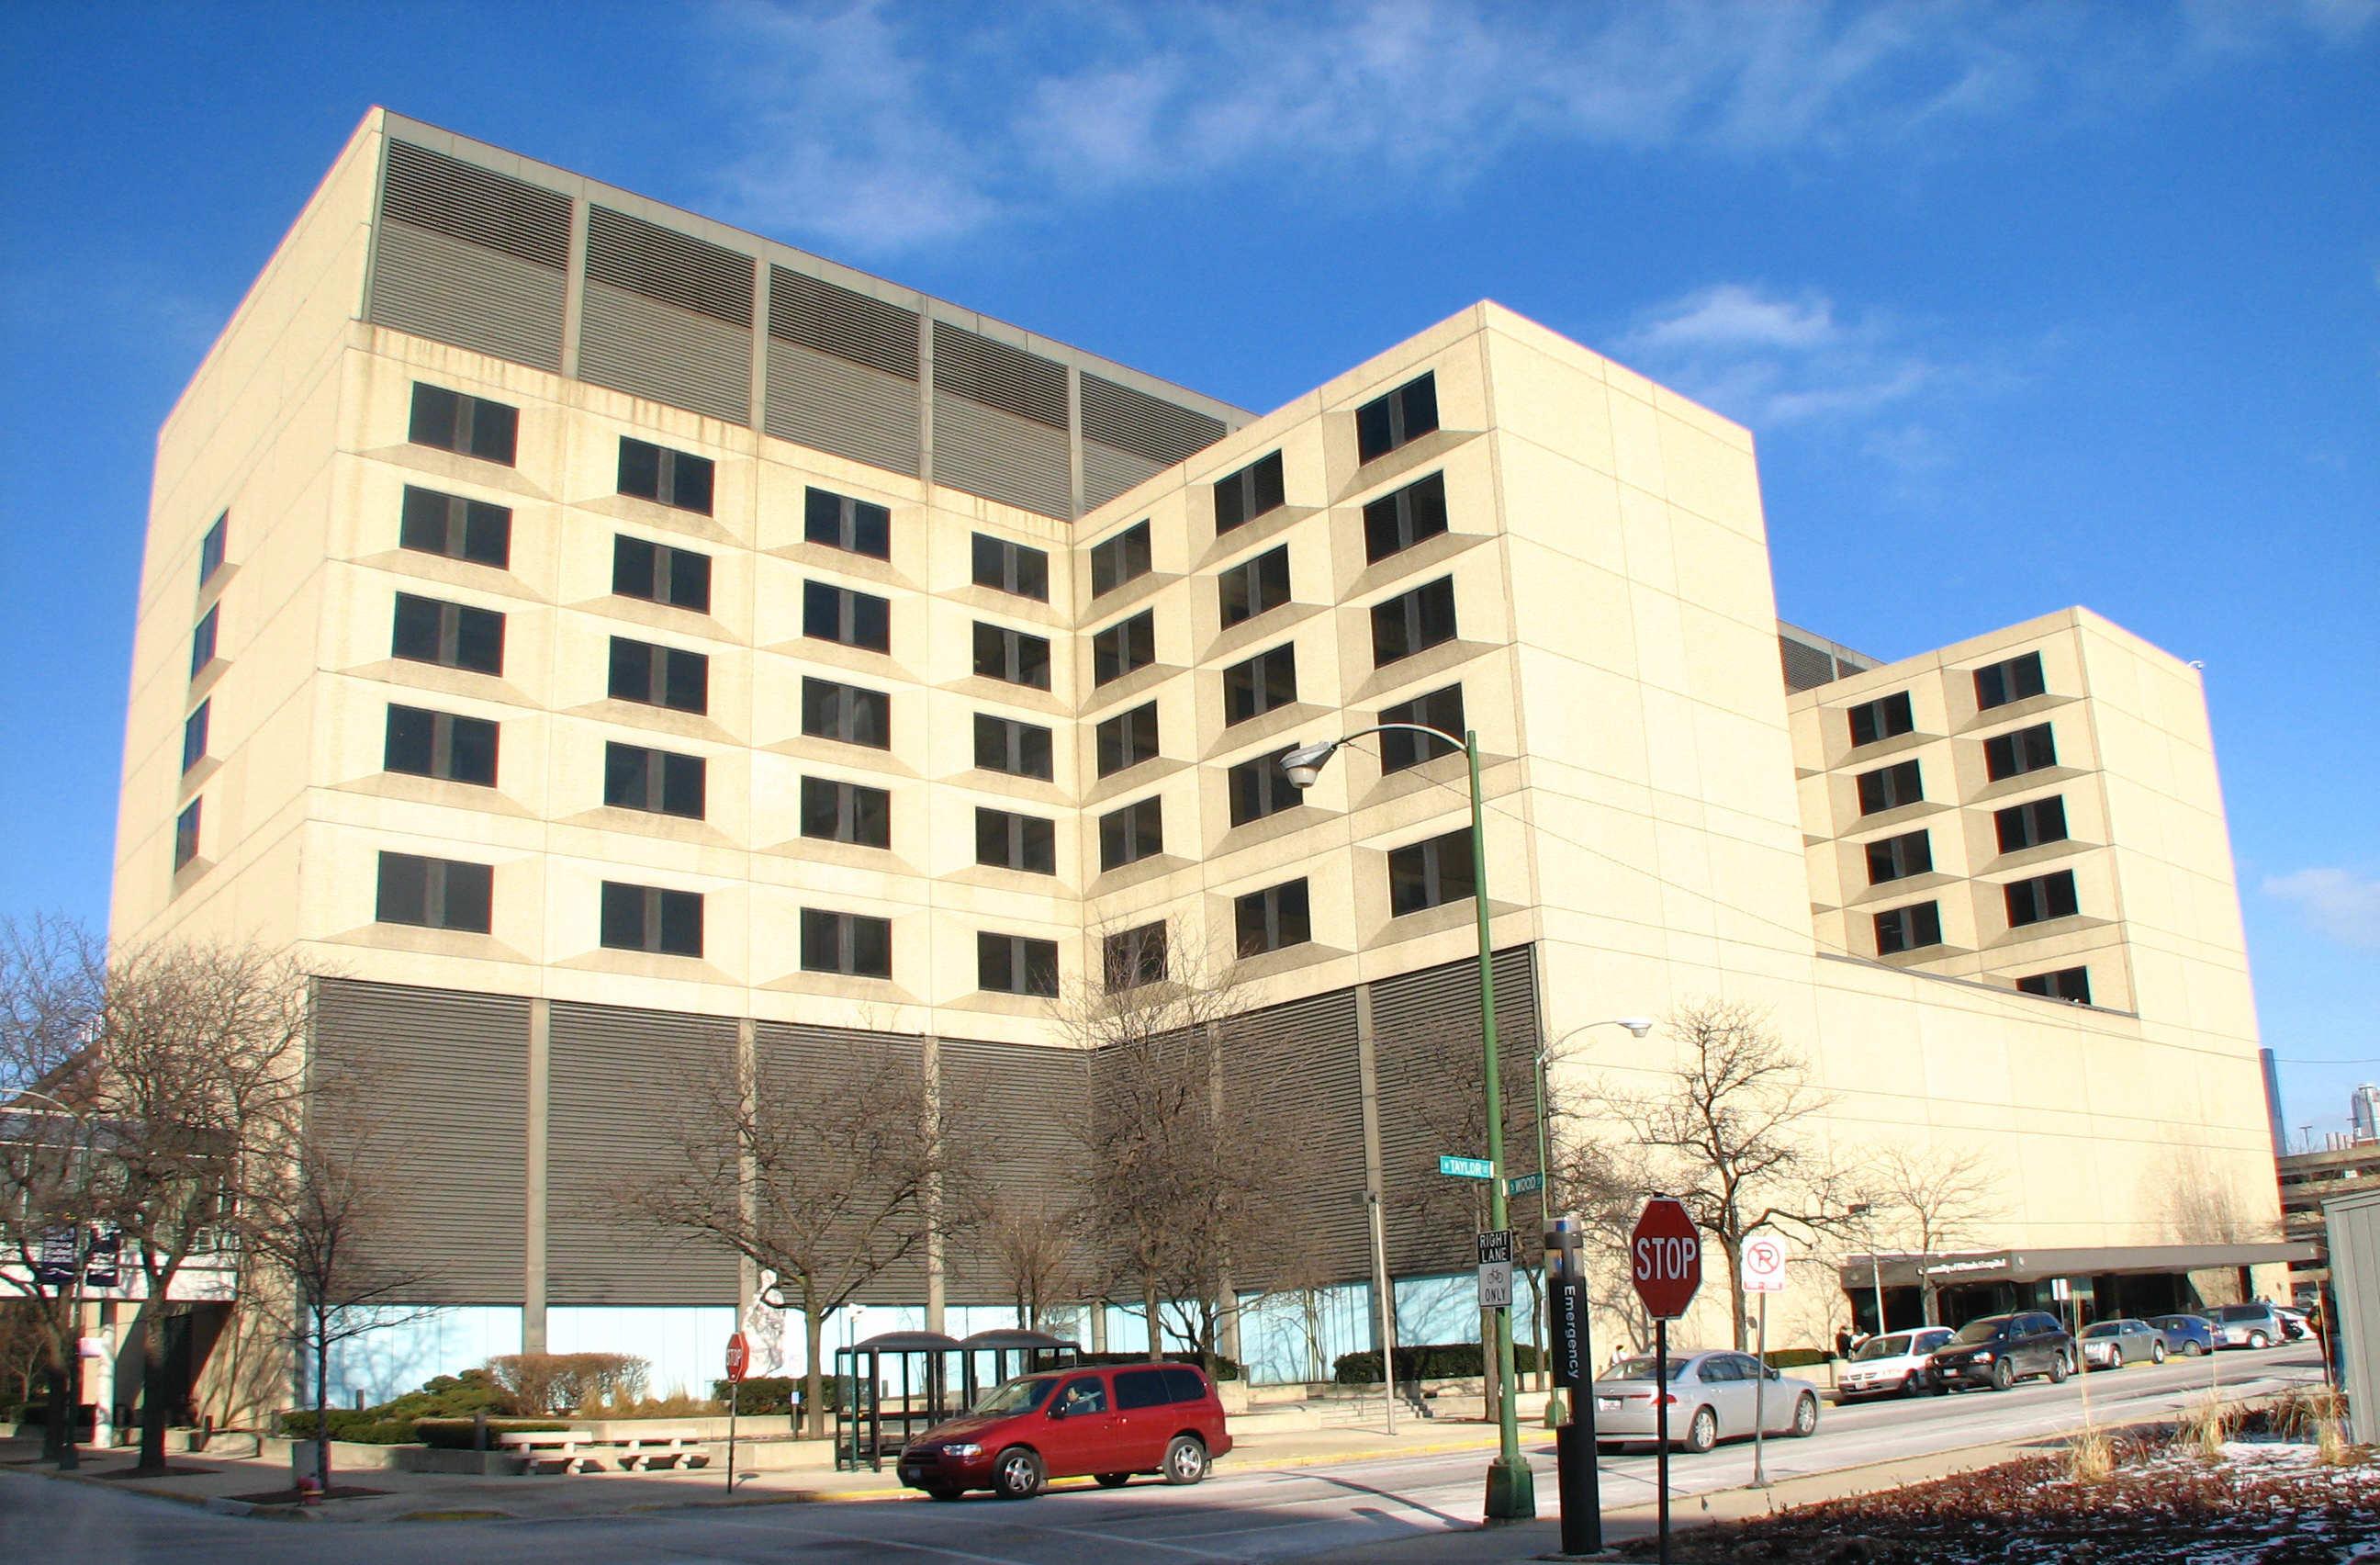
(1711,1398)
(2248,1325)
(2112,1344)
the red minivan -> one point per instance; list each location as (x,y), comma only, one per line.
(1107,1422)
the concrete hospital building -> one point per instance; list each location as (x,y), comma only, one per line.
(605,644)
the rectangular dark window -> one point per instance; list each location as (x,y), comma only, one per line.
(211,548)
(474,531)
(1272,919)
(471,426)
(839,613)
(1012,656)
(676,479)
(194,736)
(1009,841)
(2030,824)
(637,778)
(653,676)
(1441,710)
(2066,984)
(450,635)
(1881,718)
(842,812)
(1013,964)
(1135,957)
(1259,788)
(1122,647)
(1265,681)
(203,640)
(2012,680)
(646,918)
(1121,558)
(846,712)
(1006,567)
(2012,755)
(658,573)
(839,521)
(2041,899)
(1888,788)
(1404,415)
(851,943)
(1396,523)
(1003,745)
(1412,621)
(1131,834)
(1128,739)
(1249,493)
(1909,928)
(1898,858)
(186,833)
(438,744)
(1253,586)
(1426,874)
(434,893)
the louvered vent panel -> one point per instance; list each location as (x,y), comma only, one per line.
(833,320)
(1149,427)
(670,267)
(443,289)
(1108,472)
(1304,1054)
(831,404)
(631,343)
(448,1131)
(831,1060)
(465,201)
(1806,667)
(1001,457)
(622,1082)
(970,365)
(1026,1098)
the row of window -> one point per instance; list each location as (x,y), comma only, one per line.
(1997,684)
(2006,755)
(2034,901)
(2029,824)
(214,551)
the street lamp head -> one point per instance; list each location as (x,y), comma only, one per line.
(1304,763)
(1637,1026)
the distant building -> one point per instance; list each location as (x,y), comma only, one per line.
(2309,1178)
(2365,1111)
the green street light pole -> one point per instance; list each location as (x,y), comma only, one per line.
(1511,1486)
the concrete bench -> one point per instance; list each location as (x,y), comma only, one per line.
(654,1448)
(563,1450)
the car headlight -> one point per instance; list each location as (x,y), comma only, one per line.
(1983,1357)
(971,1448)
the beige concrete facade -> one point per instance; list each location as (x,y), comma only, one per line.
(1665,824)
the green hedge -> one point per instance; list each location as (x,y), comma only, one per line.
(368,1427)
(1797,1358)
(461,1433)
(773,1394)
(1435,1361)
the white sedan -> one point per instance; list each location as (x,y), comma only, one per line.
(1892,1365)
(1711,1396)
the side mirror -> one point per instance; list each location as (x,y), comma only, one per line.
(1776,1373)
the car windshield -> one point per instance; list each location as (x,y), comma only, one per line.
(2107,1329)
(1016,1396)
(1637,1369)
(2240,1312)
(1892,1347)
(1982,1331)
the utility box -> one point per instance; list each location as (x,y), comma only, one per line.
(2354,1225)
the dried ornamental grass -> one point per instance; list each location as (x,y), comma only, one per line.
(2090,1457)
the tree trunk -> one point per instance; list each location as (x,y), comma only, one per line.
(57,1441)
(323,1401)
(1156,1330)
(814,1419)
(154,1410)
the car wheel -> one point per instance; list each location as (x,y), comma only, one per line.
(2258,1339)
(1114,1480)
(943,1491)
(2003,1376)
(1185,1460)
(2058,1370)
(1913,1384)
(2191,1349)
(1017,1474)
(1806,1418)
(1703,1433)
(2114,1358)
(2156,1352)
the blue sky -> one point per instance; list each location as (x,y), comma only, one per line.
(2028,305)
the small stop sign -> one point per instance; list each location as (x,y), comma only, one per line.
(740,1356)
(1665,1258)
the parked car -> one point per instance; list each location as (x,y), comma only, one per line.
(1711,1396)
(2112,1344)
(2299,1327)
(2248,1325)
(1896,1364)
(1109,1423)
(1999,1350)
(2187,1335)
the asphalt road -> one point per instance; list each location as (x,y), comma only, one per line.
(1255,1516)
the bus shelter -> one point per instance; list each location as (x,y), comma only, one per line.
(889,1390)
(1005,1352)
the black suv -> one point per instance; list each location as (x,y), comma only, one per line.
(1999,1350)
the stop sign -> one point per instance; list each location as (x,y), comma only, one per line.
(1665,1258)
(740,1356)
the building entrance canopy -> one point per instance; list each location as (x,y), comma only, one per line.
(1953,1267)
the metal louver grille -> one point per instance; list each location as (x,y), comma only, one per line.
(1146,426)
(449,1121)
(668,266)
(1304,1052)
(465,201)
(463,256)
(999,422)
(609,1130)
(842,371)
(1806,667)
(837,1059)
(969,365)
(666,316)
(1030,1097)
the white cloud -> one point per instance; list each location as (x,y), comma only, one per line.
(2338,904)
(1769,360)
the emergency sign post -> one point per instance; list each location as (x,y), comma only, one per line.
(739,1361)
(1665,1257)
(1761,1265)
(1582,1502)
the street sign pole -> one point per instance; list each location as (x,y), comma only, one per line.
(1665,1264)
(1760,1405)
(1661,1425)
(739,1359)
(1761,1264)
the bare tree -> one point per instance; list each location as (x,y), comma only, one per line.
(1032,1242)
(1606,1186)
(2204,1207)
(1936,1199)
(1726,1135)
(828,1180)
